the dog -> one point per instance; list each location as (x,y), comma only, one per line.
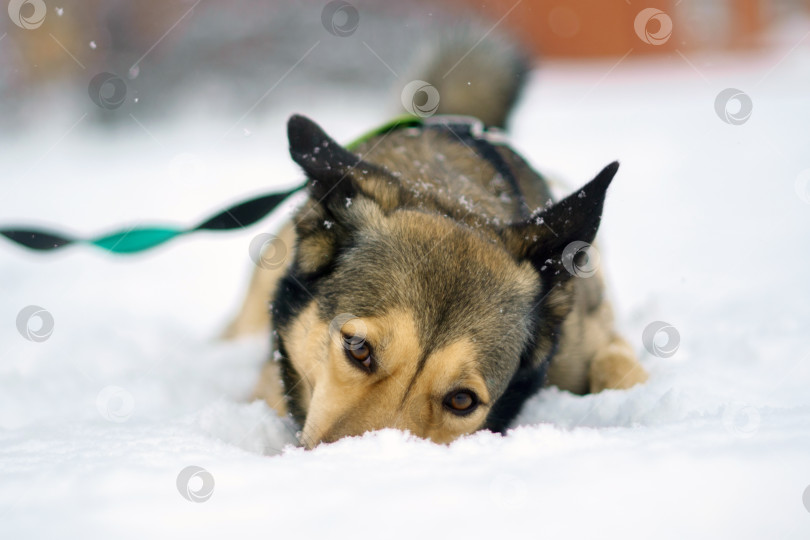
(433,285)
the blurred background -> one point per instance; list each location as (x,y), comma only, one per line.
(140,72)
(175,55)
(113,67)
(123,113)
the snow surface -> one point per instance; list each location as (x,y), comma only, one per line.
(706,227)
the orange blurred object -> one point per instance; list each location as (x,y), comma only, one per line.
(590,28)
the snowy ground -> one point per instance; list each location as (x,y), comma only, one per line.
(706,228)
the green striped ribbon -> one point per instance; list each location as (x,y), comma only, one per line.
(139,239)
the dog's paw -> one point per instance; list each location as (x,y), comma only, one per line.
(616,367)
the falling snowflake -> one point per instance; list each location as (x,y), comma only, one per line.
(93,45)
(59,11)
(328,224)
(348,202)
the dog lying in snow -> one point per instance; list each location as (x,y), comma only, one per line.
(433,284)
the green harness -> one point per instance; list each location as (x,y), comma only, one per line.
(139,239)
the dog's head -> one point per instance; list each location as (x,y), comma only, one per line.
(393,316)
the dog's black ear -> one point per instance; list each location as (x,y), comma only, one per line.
(329,167)
(339,183)
(336,174)
(553,238)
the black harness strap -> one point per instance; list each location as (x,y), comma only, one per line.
(470,131)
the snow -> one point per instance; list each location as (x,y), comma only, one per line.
(706,229)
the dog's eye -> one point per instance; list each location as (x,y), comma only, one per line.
(461,402)
(358,352)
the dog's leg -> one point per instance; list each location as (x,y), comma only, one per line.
(615,366)
(591,356)
(270,389)
(254,316)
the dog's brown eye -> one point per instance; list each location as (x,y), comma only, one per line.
(359,352)
(461,402)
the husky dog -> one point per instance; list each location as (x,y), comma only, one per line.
(433,285)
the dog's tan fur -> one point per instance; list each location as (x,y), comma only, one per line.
(342,401)
(592,356)
(254,315)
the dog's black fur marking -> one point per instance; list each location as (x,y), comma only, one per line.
(526,381)
(293,292)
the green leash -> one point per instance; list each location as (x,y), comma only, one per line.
(139,239)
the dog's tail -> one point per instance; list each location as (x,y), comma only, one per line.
(471,75)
